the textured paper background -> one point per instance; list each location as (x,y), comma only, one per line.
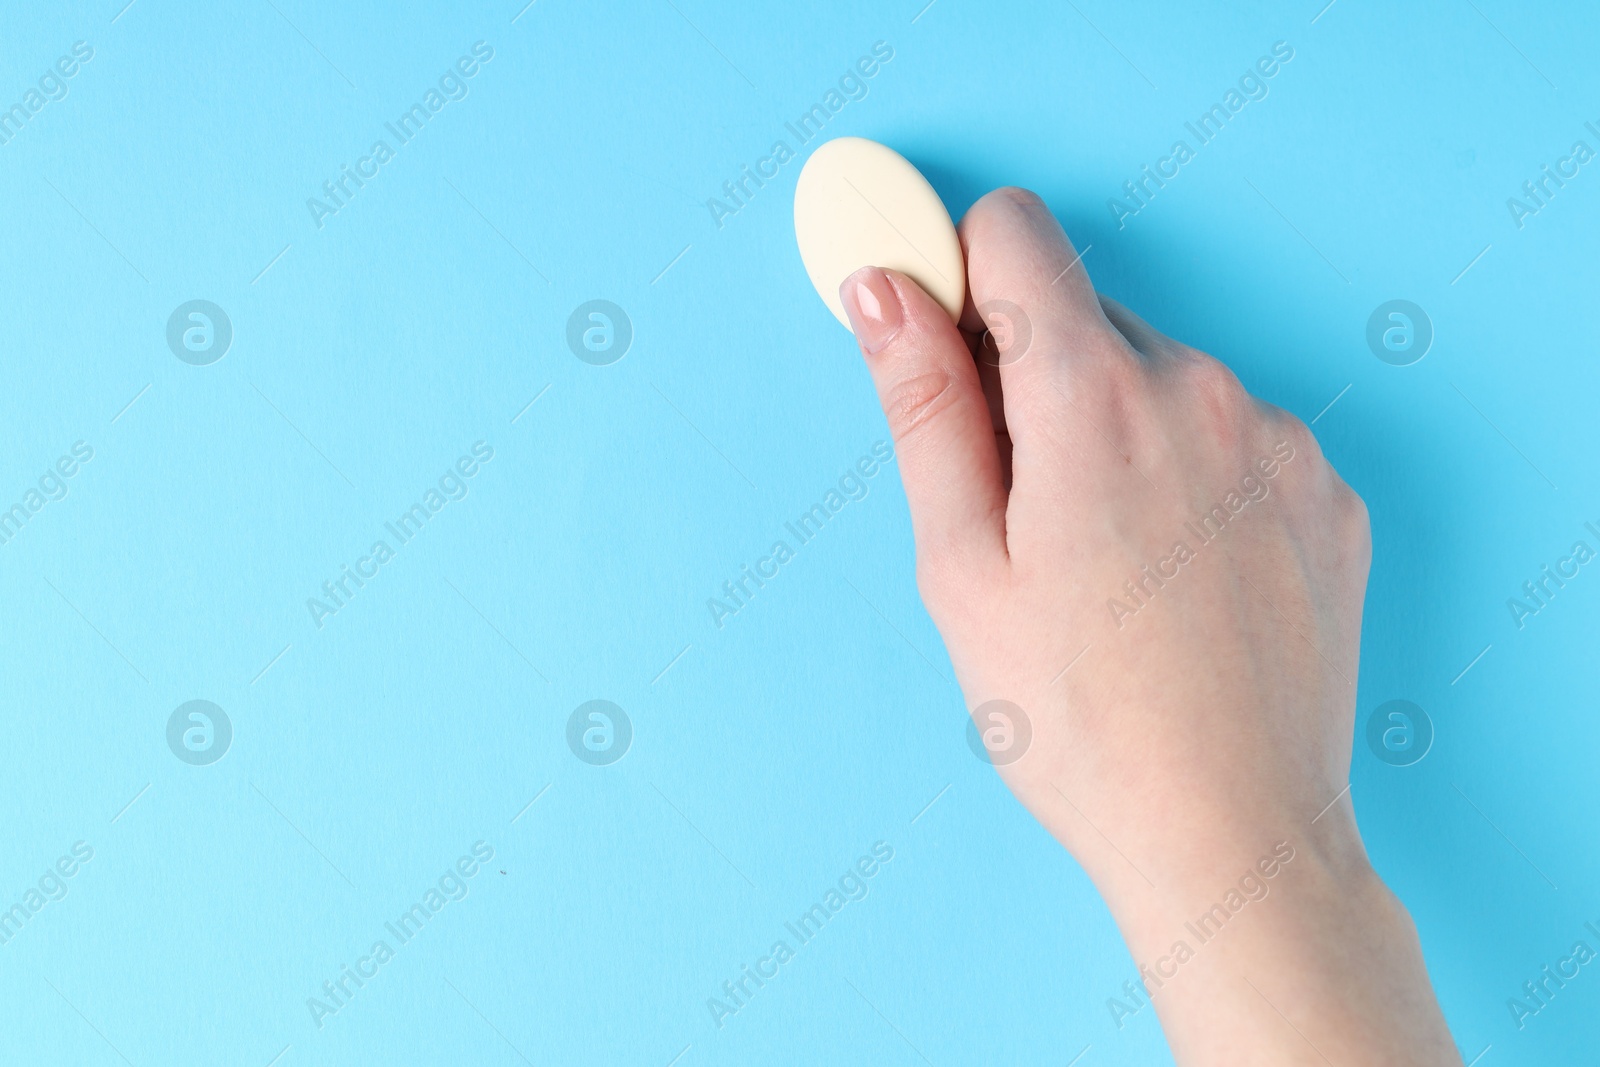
(371,353)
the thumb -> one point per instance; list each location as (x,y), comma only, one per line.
(928,384)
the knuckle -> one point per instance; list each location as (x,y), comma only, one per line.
(911,403)
(1220,401)
(1299,436)
(1106,391)
(1358,520)
(1213,385)
(1117,364)
(1113,384)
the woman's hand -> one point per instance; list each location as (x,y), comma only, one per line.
(1150,584)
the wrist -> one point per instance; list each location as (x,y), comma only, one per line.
(1235,895)
(1322,945)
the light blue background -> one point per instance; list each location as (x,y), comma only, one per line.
(426,715)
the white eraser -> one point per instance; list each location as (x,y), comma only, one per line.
(860,204)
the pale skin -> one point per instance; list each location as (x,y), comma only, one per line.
(1208,722)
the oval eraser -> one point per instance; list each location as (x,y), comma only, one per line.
(859,204)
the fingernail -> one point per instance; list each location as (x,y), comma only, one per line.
(873,306)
